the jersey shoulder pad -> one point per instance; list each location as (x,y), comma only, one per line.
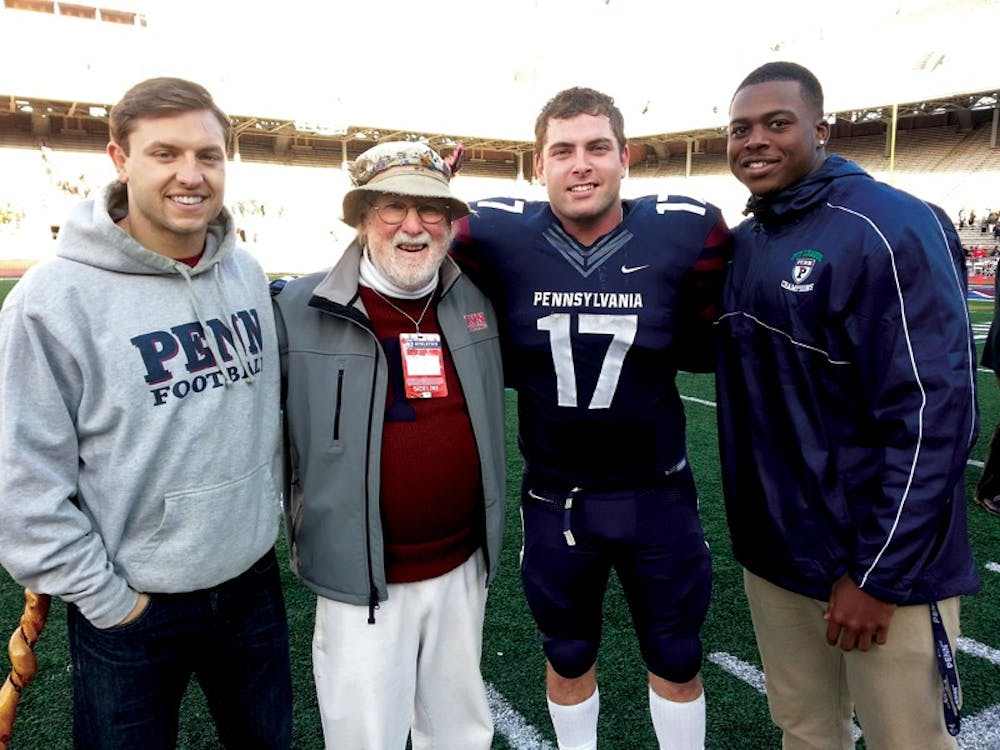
(666,204)
(498,216)
(513,207)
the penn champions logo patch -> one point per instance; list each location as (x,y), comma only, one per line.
(804,262)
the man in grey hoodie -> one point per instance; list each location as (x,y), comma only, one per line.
(139,433)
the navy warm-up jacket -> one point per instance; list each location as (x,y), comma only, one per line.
(846,388)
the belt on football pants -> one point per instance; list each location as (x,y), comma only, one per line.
(568,502)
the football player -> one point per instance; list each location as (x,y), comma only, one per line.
(601,301)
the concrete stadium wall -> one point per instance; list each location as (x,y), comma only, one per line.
(289,215)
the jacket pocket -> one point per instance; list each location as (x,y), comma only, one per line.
(209,534)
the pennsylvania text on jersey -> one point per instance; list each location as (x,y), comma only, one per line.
(588,299)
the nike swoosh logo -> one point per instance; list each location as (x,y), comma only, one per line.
(633,269)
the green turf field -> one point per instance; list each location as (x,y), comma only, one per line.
(5,286)
(512,660)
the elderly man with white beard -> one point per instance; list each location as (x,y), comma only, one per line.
(394,427)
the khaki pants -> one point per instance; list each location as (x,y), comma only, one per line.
(813,689)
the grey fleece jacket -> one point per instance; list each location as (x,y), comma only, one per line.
(337,375)
(139,429)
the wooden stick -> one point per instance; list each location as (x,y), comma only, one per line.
(23,663)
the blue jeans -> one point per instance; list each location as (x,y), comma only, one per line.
(128,681)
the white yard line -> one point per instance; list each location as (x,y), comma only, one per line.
(520,735)
(982,731)
(739,669)
(975,648)
(750,674)
(701,401)
(979,732)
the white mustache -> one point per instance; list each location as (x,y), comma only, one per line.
(402,238)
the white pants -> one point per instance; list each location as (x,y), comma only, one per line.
(416,669)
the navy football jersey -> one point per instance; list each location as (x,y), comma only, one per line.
(593,336)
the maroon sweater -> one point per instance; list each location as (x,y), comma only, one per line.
(432,499)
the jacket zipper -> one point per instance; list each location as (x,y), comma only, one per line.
(338,402)
(372,590)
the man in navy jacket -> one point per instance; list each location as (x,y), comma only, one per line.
(847,410)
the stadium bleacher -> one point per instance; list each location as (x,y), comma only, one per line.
(946,154)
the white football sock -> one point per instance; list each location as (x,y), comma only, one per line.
(576,725)
(678,726)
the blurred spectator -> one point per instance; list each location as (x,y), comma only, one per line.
(987,494)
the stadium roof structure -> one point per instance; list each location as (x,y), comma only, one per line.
(307,83)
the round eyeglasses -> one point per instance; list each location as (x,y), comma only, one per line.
(395,213)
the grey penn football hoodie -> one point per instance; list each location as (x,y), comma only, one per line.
(138,417)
